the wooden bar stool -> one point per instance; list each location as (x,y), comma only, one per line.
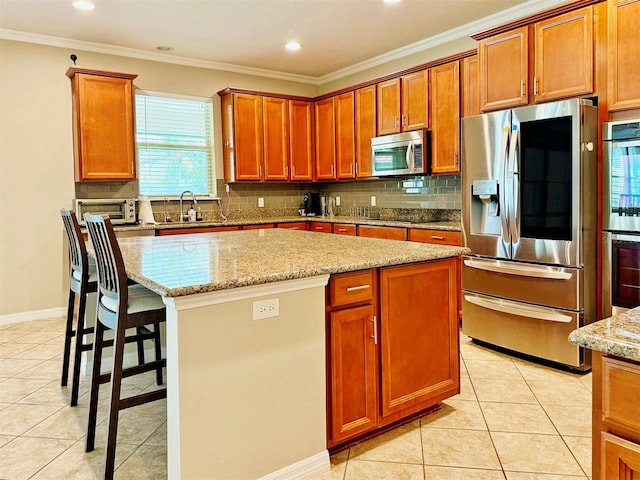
(120,307)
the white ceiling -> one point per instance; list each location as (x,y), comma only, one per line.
(250,34)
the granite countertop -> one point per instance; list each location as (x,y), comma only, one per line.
(618,335)
(177,265)
(451,226)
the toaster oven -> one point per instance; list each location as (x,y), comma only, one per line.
(120,210)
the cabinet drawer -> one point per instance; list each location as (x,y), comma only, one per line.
(344,229)
(320,227)
(348,288)
(390,233)
(293,225)
(621,458)
(620,393)
(442,237)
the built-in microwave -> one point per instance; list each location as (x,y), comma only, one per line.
(404,153)
(120,210)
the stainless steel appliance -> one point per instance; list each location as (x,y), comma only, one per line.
(401,153)
(621,217)
(529,218)
(120,210)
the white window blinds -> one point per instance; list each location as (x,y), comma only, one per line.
(174,138)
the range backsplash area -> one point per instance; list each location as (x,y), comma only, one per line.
(418,198)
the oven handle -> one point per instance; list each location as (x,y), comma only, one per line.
(528,271)
(409,157)
(511,308)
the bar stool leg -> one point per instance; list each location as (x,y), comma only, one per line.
(77,357)
(98,343)
(114,407)
(67,338)
(158,351)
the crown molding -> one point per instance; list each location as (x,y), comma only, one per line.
(51,41)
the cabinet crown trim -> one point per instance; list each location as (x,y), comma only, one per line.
(103,73)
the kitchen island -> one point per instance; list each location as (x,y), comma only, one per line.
(615,343)
(246,342)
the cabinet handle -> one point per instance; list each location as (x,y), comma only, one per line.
(342,229)
(356,168)
(359,287)
(404,120)
(522,88)
(351,169)
(395,122)
(260,171)
(437,237)
(455,159)
(286,171)
(535,86)
(375,330)
(293,171)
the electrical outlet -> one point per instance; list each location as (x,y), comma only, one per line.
(337,201)
(261,202)
(266,308)
(227,188)
(373,200)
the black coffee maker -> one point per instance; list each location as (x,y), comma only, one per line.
(311,204)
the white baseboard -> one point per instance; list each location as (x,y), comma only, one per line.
(307,469)
(34,315)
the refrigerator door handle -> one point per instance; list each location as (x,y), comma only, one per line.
(502,193)
(525,271)
(513,180)
(512,308)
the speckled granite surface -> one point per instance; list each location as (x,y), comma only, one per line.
(618,335)
(179,265)
(452,226)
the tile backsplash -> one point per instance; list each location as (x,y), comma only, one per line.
(408,197)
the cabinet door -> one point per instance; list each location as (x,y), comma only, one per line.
(345,136)
(301,140)
(471,86)
(564,56)
(623,50)
(103,131)
(415,100)
(247,122)
(503,69)
(445,119)
(276,138)
(325,140)
(365,129)
(388,98)
(419,339)
(352,358)
(321,227)
(389,233)
(620,458)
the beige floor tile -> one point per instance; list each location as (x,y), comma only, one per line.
(511,391)
(44,351)
(525,452)
(53,394)
(14,336)
(587,381)
(472,351)
(48,370)
(581,449)
(448,473)
(455,414)
(159,437)
(146,463)
(41,336)
(13,390)
(466,391)
(368,470)
(561,393)
(12,367)
(573,420)
(17,419)
(497,370)
(458,448)
(338,468)
(134,427)
(76,464)
(23,457)
(402,444)
(540,476)
(67,423)
(516,417)
(541,373)
(9,349)
(4,439)
(4,405)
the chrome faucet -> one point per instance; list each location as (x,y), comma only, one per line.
(195,202)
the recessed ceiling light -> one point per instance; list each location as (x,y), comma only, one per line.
(84,5)
(293,46)
(164,48)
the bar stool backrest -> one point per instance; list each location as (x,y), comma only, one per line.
(77,249)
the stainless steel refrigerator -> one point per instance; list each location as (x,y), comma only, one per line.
(529,202)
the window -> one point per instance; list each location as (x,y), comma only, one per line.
(174,138)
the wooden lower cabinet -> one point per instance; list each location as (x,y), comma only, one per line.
(321,227)
(293,225)
(393,353)
(344,229)
(616,418)
(389,233)
(187,230)
(258,226)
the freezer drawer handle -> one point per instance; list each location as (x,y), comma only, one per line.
(519,310)
(519,270)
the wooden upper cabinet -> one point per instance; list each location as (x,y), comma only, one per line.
(104,137)
(564,56)
(345,136)
(276,138)
(301,140)
(325,139)
(504,62)
(248,137)
(445,118)
(388,94)
(365,128)
(415,100)
(403,103)
(623,50)
(470,86)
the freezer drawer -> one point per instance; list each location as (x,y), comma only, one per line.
(559,287)
(531,329)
